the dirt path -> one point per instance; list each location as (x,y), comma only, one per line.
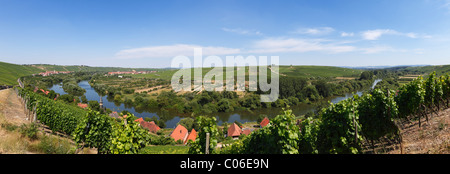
(431,138)
(147,89)
(12,142)
(11,114)
(11,107)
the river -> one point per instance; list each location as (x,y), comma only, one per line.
(172,118)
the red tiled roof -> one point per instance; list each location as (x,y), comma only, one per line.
(179,133)
(139,120)
(246,131)
(234,130)
(45,92)
(82,105)
(192,136)
(151,126)
(264,122)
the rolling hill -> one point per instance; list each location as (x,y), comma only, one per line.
(9,73)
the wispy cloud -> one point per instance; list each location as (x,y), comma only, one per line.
(242,31)
(377,49)
(169,51)
(345,34)
(445,4)
(282,44)
(279,45)
(376,34)
(314,31)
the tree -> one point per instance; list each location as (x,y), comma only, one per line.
(366,75)
(188,123)
(225,105)
(311,93)
(323,88)
(84,99)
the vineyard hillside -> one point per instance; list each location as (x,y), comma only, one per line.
(11,72)
(433,137)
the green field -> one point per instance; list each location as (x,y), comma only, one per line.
(440,69)
(9,73)
(318,71)
(168,149)
(83,68)
(290,71)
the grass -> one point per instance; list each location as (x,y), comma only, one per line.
(26,139)
(168,149)
(11,72)
(440,69)
(84,68)
(318,71)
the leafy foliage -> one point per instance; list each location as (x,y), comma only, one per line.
(207,125)
(128,138)
(377,111)
(88,128)
(410,97)
(340,129)
(95,130)
(308,136)
(58,116)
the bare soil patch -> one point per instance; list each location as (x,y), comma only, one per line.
(432,137)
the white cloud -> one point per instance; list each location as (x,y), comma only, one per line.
(379,49)
(315,31)
(376,34)
(242,31)
(279,45)
(345,34)
(169,51)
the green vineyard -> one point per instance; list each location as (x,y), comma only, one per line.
(88,128)
(342,128)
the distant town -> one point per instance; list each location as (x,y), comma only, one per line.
(48,73)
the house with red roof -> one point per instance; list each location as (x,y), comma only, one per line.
(234,131)
(264,122)
(179,133)
(151,126)
(45,92)
(246,131)
(139,120)
(192,136)
(82,105)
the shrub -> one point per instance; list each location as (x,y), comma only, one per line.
(29,130)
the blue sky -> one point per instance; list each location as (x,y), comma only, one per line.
(150,33)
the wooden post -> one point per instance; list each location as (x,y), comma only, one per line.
(207,144)
(356,127)
(354,124)
(35,112)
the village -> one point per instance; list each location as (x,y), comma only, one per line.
(183,135)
